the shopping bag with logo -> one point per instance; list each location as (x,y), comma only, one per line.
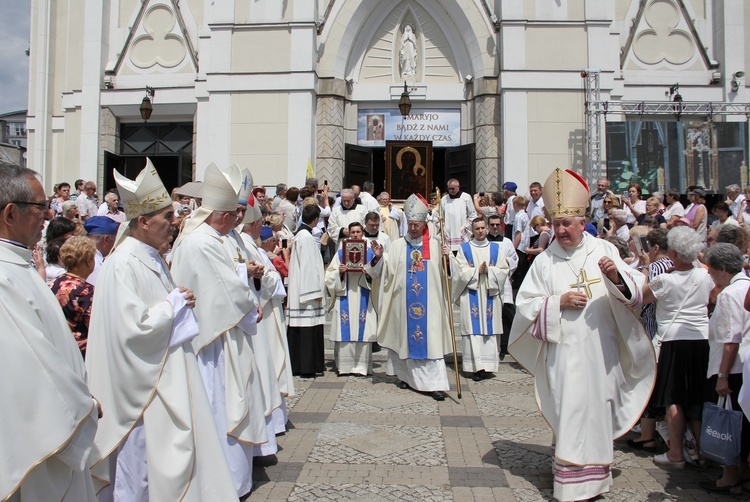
(720,432)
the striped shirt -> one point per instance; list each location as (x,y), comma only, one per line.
(648,314)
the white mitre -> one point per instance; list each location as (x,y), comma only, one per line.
(565,193)
(416,208)
(144,195)
(247,199)
(219,192)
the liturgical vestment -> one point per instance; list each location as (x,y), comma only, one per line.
(226,316)
(156,412)
(481,299)
(48,419)
(594,368)
(354,321)
(413,317)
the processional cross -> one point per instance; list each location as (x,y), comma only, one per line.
(585,283)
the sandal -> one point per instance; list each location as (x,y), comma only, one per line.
(642,444)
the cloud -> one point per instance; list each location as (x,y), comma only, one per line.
(14,65)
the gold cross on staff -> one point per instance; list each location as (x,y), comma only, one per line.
(585,283)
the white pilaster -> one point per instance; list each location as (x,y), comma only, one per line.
(515,146)
(93,49)
(301,134)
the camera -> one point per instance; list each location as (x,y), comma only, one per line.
(481,194)
(184,209)
(606,224)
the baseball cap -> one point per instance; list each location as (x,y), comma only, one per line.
(510,186)
(101,225)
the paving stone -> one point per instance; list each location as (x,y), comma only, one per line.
(369,492)
(327,385)
(506,404)
(309,417)
(385,401)
(461,421)
(477,477)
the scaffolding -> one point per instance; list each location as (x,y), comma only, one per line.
(675,108)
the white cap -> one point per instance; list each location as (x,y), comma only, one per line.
(416,208)
(246,186)
(144,195)
(220,189)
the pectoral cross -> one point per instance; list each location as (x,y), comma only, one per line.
(240,259)
(585,283)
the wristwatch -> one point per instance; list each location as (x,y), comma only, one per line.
(722,375)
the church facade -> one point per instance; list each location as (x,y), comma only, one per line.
(499,90)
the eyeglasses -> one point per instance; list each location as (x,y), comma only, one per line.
(495,224)
(40,205)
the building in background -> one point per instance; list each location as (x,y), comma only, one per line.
(495,86)
(13,138)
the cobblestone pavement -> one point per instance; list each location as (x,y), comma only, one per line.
(364,439)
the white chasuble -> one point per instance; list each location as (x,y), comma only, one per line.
(480,297)
(143,381)
(48,419)
(226,315)
(305,302)
(413,316)
(594,368)
(458,213)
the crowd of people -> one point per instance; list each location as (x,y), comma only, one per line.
(191,313)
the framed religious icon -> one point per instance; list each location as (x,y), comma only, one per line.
(408,168)
(355,254)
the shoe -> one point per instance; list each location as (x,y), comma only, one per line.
(375,347)
(476,377)
(403,385)
(710,487)
(641,445)
(438,395)
(503,353)
(663,460)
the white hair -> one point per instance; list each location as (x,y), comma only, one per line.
(685,242)
(619,215)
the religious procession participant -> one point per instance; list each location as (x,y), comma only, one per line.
(251,269)
(270,293)
(495,234)
(342,215)
(392,220)
(354,323)
(157,439)
(49,418)
(227,317)
(459,210)
(478,279)
(577,331)
(306,314)
(413,316)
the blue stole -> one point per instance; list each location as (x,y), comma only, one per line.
(476,326)
(416,302)
(344,315)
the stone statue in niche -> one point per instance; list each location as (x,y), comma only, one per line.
(408,53)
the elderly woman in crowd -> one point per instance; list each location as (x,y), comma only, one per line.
(729,324)
(654,263)
(70,210)
(674,210)
(280,230)
(617,225)
(288,208)
(71,289)
(723,215)
(58,231)
(652,210)
(681,314)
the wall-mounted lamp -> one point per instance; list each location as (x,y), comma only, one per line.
(404,104)
(146,107)
(715,78)
(469,79)
(735,84)
(349,80)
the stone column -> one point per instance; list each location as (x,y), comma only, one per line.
(329,140)
(487,136)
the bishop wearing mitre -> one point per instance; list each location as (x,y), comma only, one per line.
(577,330)
(157,439)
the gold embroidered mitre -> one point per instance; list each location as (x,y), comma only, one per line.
(144,195)
(220,189)
(565,193)
(416,208)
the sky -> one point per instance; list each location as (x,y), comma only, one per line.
(14,65)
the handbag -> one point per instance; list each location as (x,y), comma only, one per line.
(721,432)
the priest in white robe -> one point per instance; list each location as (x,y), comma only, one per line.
(577,331)
(342,215)
(48,418)
(413,317)
(157,439)
(392,220)
(271,293)
(306,301)
(478,279)
(458,209)
(227,317)
(354,321)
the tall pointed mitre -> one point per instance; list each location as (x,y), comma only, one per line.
(247,199)
(144,195)
(565,193)
(219,192)
(416,208)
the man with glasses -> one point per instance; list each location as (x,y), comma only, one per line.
(45,454)
(458,211)
(227,315)
(597,210)
(87,202)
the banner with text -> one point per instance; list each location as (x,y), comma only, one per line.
(441,126)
